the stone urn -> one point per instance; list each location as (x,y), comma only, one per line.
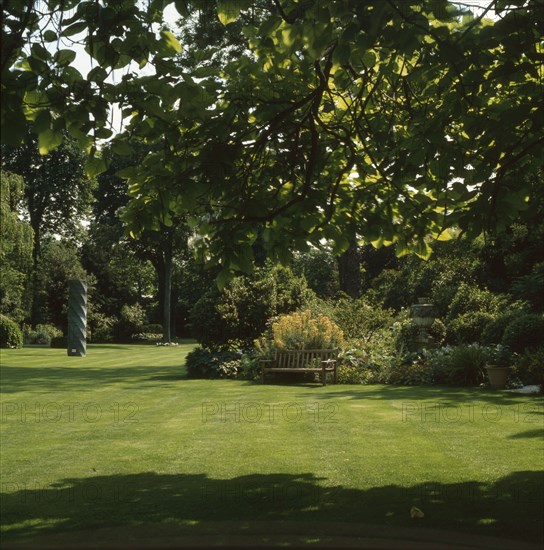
(423,316)
(498,376)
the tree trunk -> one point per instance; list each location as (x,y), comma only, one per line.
(35,313)
(349,271)
(167,297)
(159,268)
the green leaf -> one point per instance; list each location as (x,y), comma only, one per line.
(171,41)
(40,52)
(50,36)
(121,148)
(98,74)
(369,58)
(182,7)
(71,75)
(228,11)
(341,54)
(127,173)
(65,57)
(76,28)
(445,235)
(103,133)
(48,140)
(402,249)
(95,166)
(423,250)
(42,122)
(223,278)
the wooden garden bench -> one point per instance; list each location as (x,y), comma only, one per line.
(321,361)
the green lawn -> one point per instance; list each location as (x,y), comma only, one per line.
(122,439)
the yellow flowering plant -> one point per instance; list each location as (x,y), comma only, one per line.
(300,330)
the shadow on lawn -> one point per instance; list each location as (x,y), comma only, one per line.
(447,395)
(512,507)
(16,379)
(539,432)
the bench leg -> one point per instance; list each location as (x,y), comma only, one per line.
(324,377)
(335,376)
(262,375)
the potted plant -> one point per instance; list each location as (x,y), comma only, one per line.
(498,365)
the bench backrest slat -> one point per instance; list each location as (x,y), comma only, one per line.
(303,358)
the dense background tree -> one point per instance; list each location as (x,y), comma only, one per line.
(122,277)
(15,249)
(59,263)
(121,262)
(57,195)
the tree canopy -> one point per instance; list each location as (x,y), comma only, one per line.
(387,122)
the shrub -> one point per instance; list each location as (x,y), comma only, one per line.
(232,319)
(359,366)
(153,328)
(439,363)
(530,287)
(205,363)
(412,370)
(41,335)
(461,365)
(59,342)
(358,319)
(494,331)
(471,299)
(249,366)
(10,334)
(146,337)
(51,330)
(101,327)
(319,268)
(406,332)
(387,290)
(132,320)
(468,327)
(529,366)
(437,331)
(301,330)
(524,332)
(499,356)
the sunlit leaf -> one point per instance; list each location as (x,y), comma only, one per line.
(48,140)
(228,11)
(171,41)
(95,166)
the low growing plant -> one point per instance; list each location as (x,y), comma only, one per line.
(42,334)
(359,366)
(205,363)
(463,365)
(412,369)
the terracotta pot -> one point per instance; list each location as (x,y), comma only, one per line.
(498,376)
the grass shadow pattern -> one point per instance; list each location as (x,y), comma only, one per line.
(512,507)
